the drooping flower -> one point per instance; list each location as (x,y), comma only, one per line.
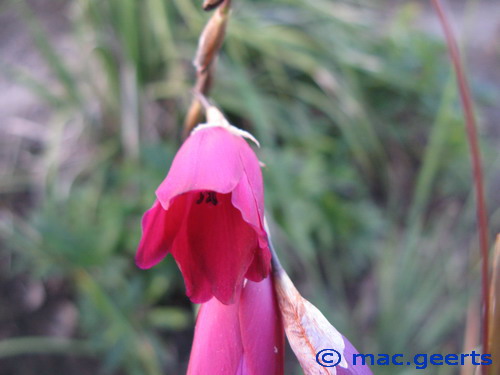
(245,338)
(209,215)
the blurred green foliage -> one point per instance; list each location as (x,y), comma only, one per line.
(366,169)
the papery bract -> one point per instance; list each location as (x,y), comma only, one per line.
(209,216)
(309,332)
(245,338)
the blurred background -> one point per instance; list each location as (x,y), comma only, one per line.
(368,182)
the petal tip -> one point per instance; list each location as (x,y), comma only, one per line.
(140,263)
(145,262)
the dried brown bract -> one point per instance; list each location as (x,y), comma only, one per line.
(307,329)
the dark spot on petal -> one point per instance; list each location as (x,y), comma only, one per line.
(202,196)
(212,198)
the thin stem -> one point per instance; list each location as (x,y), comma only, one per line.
(209,5)
(209,45)
(226,6)
(470,122)
(203,99)
(275,262)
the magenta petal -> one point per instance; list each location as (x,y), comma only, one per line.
(261,265)
(248,195)
(245,338)
(157,235)
(248,198)
(214,249)
(261,329)
(217,347)
(208,160)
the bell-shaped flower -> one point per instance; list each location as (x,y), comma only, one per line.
(245,338)
(209,215)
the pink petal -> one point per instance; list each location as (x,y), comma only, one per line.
(217,346)
(261,329)
(261,265)
(208,160)
(214,248)
(245,338)
(248,197)
(158,231)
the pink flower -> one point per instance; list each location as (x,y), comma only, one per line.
(209,215)
(245,338)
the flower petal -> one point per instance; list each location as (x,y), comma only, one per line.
(260,266)
(248,197)
(214,249)
(245,338)
(261,328)
(158,231)
(208,160)
(217,346)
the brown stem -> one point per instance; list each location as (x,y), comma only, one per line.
(202,99)
(470,122)
(209,45)
(226,6)
(209,5)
